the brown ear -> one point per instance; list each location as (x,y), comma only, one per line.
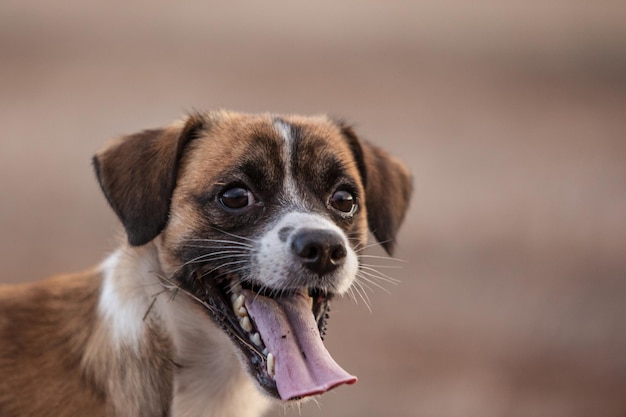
(388,188)
(137,174)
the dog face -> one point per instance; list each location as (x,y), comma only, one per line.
(260,219)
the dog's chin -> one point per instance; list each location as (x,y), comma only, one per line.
(278,335)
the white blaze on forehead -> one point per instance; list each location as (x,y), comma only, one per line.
(290,188)
(284,129)
(275,260)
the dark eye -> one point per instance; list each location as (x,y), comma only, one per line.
(343,201)
(237,198)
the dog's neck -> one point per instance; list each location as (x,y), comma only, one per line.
(148,324)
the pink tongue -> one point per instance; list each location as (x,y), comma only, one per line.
(303,366)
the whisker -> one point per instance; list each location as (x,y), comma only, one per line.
(352,296)
(226,252)
(232,284)
(356,289)
(230,271)
(373,283)
(233,235)
(223,265)
(374,273)
(173,286)
(371,245)
(386,258)
(218,258)
(197,259)
(361,292)
(364,286)
(154,298)
(232,242)
(382,266)
(240,248)
(151,284)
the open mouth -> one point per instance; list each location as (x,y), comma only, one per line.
(279,334)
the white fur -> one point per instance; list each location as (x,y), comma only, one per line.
(123,300)
(211,381)
(274,257)
(290,187)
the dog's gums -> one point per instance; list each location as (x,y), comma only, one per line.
(280,336)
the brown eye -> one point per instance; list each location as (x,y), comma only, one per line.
(343,201)
(237,198)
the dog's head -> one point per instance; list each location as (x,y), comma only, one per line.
(260,218)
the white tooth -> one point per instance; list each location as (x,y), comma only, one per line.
(235,292)
(270,364)
(256,339)
(239,301)
(265,352)
(242,312)
(311,302)
(245,323)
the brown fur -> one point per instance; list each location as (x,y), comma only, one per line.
(45,328)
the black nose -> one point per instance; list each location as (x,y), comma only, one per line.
(321,251)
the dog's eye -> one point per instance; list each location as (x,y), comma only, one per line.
(237,198)
(343,201)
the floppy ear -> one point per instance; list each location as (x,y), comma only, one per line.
(388,188)
(137,174)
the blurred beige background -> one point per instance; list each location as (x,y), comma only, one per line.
(511,115)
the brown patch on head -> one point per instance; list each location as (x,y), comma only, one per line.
(238,151)
(191,162)
(236,148)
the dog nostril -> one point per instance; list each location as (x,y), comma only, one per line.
(337,253)
(310,252)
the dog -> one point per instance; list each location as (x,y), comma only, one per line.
(240,229)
